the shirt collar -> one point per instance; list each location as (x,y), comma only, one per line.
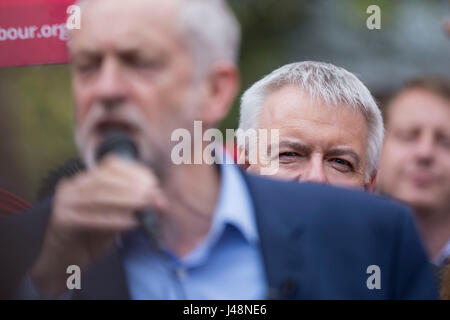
(444,254)
(234,204)
(233,208)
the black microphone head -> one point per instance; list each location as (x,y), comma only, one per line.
(118,143)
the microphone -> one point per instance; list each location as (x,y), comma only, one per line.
(118,143)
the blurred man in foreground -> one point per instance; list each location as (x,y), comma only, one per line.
(330,128)
(149,68)
(415,162)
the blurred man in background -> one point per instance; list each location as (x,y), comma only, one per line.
(330,127)
(415,162)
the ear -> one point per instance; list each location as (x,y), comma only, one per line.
(370,186)
(222,83)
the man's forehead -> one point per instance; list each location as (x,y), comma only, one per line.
(124,25)
(126,16)
(140,5)
(418,106)
(291,104)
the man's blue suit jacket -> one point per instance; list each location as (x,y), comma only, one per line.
(317,242)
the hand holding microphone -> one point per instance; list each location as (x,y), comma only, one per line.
(120,144)
(92,208)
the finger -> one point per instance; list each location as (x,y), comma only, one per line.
(104,188)
(102,220)
(126,168)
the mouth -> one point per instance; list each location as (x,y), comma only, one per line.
(107,125)
(422,179)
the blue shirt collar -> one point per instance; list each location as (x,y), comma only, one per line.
(234,207)
(234,204)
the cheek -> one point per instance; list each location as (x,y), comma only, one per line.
(350,183)
(287,173)
(147,97)
(344,179)
(158,102)
(395,155)
(443,164)
(282,173)
(443,159)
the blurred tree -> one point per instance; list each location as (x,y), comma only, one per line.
(11,175)
(39,109)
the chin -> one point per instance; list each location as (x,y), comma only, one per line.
(420,202)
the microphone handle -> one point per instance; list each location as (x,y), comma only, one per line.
(148,222)
(146,217)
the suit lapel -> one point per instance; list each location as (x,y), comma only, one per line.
(281,231)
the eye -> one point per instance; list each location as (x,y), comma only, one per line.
(288,157)
(289,154)
(153,64)
(85,67)
(142,63)
(444,141)
(406,135)
(342,165)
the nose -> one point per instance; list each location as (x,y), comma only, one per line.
(110,85)
(314,171)
(424,150)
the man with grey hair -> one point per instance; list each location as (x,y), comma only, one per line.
(220,233)
(330,128)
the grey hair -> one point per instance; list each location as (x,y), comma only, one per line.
(323,82)
(209,29)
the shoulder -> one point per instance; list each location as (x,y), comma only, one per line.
(340,232)
(21,236)
(326,204)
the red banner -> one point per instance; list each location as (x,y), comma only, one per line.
(33,32)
